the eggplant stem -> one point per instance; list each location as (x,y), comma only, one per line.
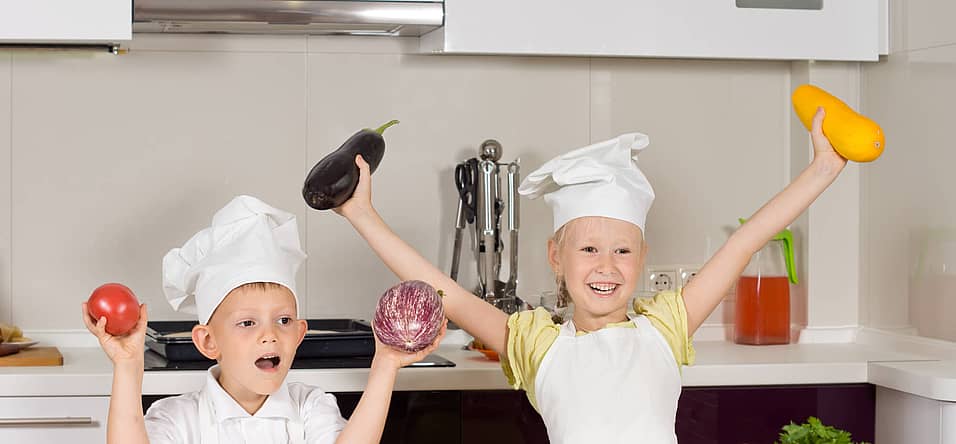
(384,127)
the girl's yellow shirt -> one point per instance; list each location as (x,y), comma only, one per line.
(531,333)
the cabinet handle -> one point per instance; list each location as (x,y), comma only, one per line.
(67,420)
(781,4)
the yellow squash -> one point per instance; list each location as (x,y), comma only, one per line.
(852,134)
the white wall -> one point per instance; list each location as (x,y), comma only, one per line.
(909,208)
(5,300)
(827,299)
(113,160)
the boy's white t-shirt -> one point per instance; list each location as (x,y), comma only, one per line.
(176,419)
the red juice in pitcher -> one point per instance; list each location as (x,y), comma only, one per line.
(763,310)
(763,294)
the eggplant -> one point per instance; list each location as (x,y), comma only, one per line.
(409,316)
(333,179)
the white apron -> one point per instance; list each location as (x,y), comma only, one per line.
(209,429)
(614,385)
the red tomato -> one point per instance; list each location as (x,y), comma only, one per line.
(118,304)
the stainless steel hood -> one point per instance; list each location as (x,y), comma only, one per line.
(356,17)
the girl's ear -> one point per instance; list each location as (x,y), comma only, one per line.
(205,342)
(553,257)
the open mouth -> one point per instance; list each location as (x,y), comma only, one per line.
(603,288)
(268,362)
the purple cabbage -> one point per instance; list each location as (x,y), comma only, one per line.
(409,316)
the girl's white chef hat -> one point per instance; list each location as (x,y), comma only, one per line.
(248,241)
(602,179)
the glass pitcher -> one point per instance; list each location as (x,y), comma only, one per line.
(763,294)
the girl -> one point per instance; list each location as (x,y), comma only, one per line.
(603,377)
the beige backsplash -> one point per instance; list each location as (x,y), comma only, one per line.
(113,160)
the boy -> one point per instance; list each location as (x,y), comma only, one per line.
(238,275)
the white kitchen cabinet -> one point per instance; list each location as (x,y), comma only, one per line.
(948,426)
(77,420)
(837,30)
(902,418)
(65,22)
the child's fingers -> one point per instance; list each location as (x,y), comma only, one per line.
(141,323)
(88,319)
(817,126)
(365,174)
(419,355)
(437,342)
(820,141)
(441,333)
(101,326)
(360,161)
(362,189)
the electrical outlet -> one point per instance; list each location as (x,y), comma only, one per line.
(661,280)
(686,274)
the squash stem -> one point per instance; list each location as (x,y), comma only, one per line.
(382,128)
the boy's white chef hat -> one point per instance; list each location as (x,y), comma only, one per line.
(248,241)
(597,180)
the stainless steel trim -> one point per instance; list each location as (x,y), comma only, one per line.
(66,420)
(513,199)
(496,208)
(486,228)
(456,248)
(285,16)
(514,177)
(487,168)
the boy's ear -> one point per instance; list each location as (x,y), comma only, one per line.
(303,326)
(553,257)
(205,342)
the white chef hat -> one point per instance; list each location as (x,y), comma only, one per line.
(248,241)
(597,180)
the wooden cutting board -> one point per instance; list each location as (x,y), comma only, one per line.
(33,357)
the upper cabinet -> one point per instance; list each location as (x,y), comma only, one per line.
(70,22)
(724,29)
(737,29)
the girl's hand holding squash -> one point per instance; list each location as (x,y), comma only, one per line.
(823,152)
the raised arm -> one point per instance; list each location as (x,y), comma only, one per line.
(125,423)
(368,419)
(476,316)
(704,293)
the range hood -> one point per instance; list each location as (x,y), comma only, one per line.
(356,17)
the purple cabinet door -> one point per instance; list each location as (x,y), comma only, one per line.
(755,415)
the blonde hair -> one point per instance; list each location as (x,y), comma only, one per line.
(261,286)
(561,288)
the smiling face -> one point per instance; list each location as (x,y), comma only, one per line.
(600,261)
(254,334)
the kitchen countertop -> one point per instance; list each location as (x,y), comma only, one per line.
(721,363)
(929,379)
(87,371)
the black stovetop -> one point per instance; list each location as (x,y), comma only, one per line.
(155,362)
